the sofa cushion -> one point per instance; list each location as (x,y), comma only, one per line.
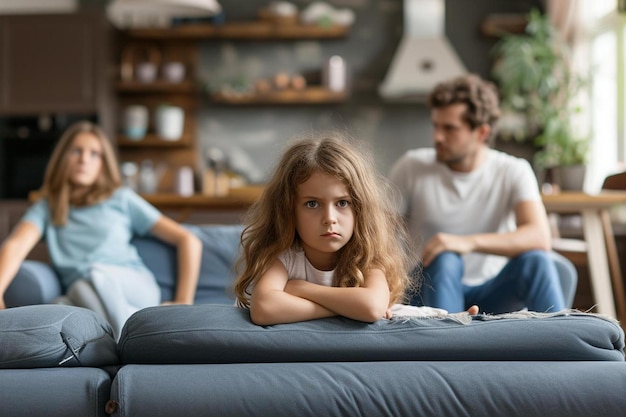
(224,334)
(54,392)
(420,388)
(46,336)
(220,250)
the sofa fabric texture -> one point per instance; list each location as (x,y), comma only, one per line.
(210,360)
(220,250)
(224,334)
(54,392)
(47,336)
(394,389)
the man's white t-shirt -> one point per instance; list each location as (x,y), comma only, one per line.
(435,199)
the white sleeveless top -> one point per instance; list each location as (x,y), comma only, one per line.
(299,267)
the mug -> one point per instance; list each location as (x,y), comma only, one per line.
(146,72)
(174,71)
(135,122)
(170,121)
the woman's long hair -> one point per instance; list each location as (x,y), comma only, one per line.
(379,239)
(57,188)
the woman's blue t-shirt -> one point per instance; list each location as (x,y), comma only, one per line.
(99,233)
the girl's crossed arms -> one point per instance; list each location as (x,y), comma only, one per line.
(323,240)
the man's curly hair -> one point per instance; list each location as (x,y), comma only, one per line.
(480,96)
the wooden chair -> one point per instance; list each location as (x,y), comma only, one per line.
(576,250)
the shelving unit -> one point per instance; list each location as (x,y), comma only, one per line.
(310,95)
(256,30)
(152,140)
(160,45)
(159,86)
(497,25)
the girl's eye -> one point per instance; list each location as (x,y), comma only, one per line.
(75,151)
(95,154)
(311,204)
(343,203)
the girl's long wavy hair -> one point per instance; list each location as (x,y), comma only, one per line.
(57,188)
(379,239)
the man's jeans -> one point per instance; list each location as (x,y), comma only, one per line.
(529,280)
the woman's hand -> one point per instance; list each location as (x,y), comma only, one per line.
(189,254)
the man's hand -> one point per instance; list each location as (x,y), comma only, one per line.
(443,242)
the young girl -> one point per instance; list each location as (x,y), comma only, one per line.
(88,221)
(323,240)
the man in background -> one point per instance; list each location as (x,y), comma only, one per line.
(475,212)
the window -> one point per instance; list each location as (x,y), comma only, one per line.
(606,31)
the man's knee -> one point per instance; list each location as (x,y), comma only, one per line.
(447,265)
(534,258)
(536,267)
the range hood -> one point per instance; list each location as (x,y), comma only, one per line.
(424,57)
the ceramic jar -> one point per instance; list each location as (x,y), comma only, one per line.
(170,121)
(135,122)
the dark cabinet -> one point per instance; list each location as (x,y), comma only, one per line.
(52,63)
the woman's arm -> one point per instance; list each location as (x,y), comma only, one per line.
(189,253)
(367,303)
(271,304)
(14,250)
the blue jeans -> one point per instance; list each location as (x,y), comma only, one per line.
(529,280)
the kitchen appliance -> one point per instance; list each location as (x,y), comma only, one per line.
(425,57)
(26,144)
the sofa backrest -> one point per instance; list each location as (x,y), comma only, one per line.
(220,251)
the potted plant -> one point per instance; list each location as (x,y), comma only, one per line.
(537,88)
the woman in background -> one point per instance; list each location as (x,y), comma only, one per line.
(88,221)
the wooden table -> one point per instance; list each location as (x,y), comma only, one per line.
(601,250)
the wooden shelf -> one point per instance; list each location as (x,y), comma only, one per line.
(254,30)
(237,198)
(311,95)
(156,87)
(499,24)
(153,141)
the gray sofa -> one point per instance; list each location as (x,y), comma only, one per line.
(209,359)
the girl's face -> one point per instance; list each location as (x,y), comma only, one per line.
(85,160)
(324,218)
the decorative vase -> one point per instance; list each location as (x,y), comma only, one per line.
(569,177)
(170,121)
